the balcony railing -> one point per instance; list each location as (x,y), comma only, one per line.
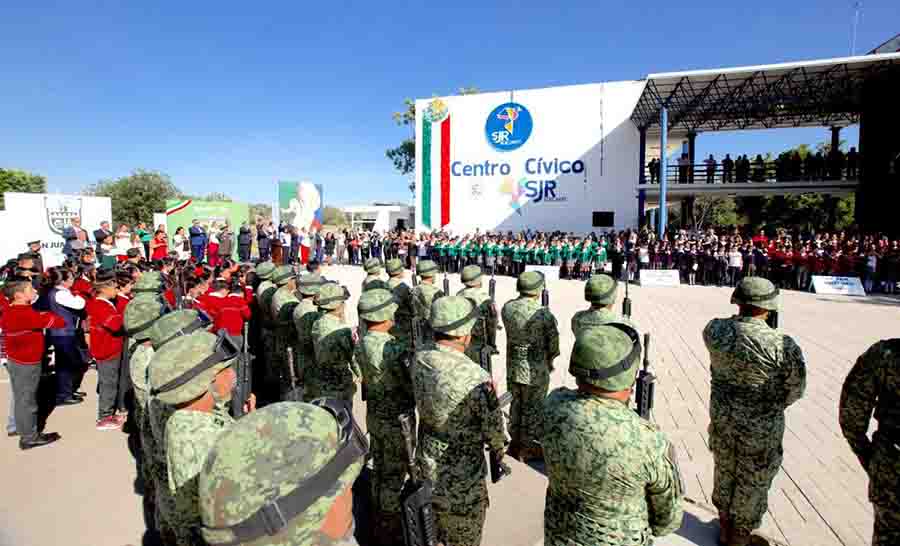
(771,171)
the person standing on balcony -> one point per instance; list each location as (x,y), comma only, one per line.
(710,169)
(683,166)
(727,169)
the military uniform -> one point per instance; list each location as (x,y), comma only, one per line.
(284,335)
(383,359)
(305,314)
(873,385)
(402,329)
(459,414)
(600,291)
(189,434)
(484,334)
(613,477)
(373,269)
(276,451)
(335,370)
(532,342)
(757,372)
(422,297)
(268,369)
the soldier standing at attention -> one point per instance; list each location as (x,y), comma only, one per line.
(459,415)
(335,370)
(268,384)
(373,274)
(276,460)
(600,291)
(532,342)
(382,359)
(485,330)
(422,297)
(284,334)
(193,373)
(613,476)
(305,314)
(402,328)
(757,372)
(873,384)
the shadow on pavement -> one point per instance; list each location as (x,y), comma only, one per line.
(698,531)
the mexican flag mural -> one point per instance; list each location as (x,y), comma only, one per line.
(434,186)
(300,205)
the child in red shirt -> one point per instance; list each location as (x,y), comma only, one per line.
(105,344)
(231,310)
(23,332)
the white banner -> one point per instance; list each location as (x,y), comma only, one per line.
(843,286)
(551,272)
(31,216)
(660,277)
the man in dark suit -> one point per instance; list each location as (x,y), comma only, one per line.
(198,241)
(99,236)
(34,250)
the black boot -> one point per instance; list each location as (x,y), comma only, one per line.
(38,441)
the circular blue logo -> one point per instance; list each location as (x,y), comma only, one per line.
(508,126)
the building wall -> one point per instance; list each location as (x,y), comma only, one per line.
(583,129)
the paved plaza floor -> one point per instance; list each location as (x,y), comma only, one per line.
(81,491)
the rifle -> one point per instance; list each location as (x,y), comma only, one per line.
(626,305)
(492,286)
(179,289)
(415,497)
(295,394)
(243,384)
(415,279)
(545,297)
(446,285)
(772,320)
(645,384)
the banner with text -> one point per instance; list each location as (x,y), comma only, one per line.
(841,286)
(660,277)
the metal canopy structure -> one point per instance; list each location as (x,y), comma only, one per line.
(799,94)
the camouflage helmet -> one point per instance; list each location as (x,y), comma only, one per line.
(372,266)
(149,283)
(376,284)
(606,356)
(453,315)
(140,314)
(309,284)
(530,283)
(393,266)
(426,269)
(262,461)
(282,274)
(176,324)
(182,370)
(331,295)
(601,289)
(264,270)
(471,275)
(756,291)
(376,305)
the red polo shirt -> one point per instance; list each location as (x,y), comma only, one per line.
(122,302)
(230,314)
(23,332)
(82,287)
(105,321)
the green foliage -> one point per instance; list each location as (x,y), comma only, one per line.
(260,211)
(714,211)
(137,196)
(333,216)
(20,181)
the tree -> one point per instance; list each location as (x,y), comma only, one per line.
(404,155)
(333,216)
(260,211)
(714,211)
(20,181)
(137,196)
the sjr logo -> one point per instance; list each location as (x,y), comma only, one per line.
(540,190)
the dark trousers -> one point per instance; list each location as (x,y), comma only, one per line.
(125,395)
(25,379)
(108,386)
(69,366)
(244,253)
(197,252)
(147,249)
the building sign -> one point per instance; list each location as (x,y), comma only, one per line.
(508,126)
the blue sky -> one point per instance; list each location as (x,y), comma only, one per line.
(231,97)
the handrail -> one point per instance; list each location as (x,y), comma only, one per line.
(766,171)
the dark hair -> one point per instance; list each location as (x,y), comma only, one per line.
(105,275)
(312,265)
(54,277)
(14,286)
(219,284)
(234,286)
(123,278)
(192,281)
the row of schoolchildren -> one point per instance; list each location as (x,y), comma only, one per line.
(73,316)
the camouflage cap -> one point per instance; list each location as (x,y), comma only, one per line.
(393,266)
(331,295)
(756,291)
(471,275)
(309,284)
(601,289)
(530,283)
(149,283)
(265,456)
(377,305)
(175,324)
(606,356)
(376,284)
(426,269)
(453,315)
(140,314)
(372,266)
(177,360)
(264,270)
(282,275)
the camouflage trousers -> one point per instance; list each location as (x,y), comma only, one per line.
(269,389)
(388,452)
(744,470)
(461,525)
(525,411)
(884,491)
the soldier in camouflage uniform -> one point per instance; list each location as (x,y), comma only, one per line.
(383,359)
(305,314)
(284,334)
(485,331)
(373,271)
(873,385)
(268,379)
(459,414)
(335,372)
(422,297)
(261,280)
(613,476)
(262,460)
(532,342)
(600,291)
(757,372)
(192,374)
(402,328)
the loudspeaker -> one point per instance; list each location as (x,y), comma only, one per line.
(604,218)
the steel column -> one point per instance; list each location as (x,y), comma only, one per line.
(642,155)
